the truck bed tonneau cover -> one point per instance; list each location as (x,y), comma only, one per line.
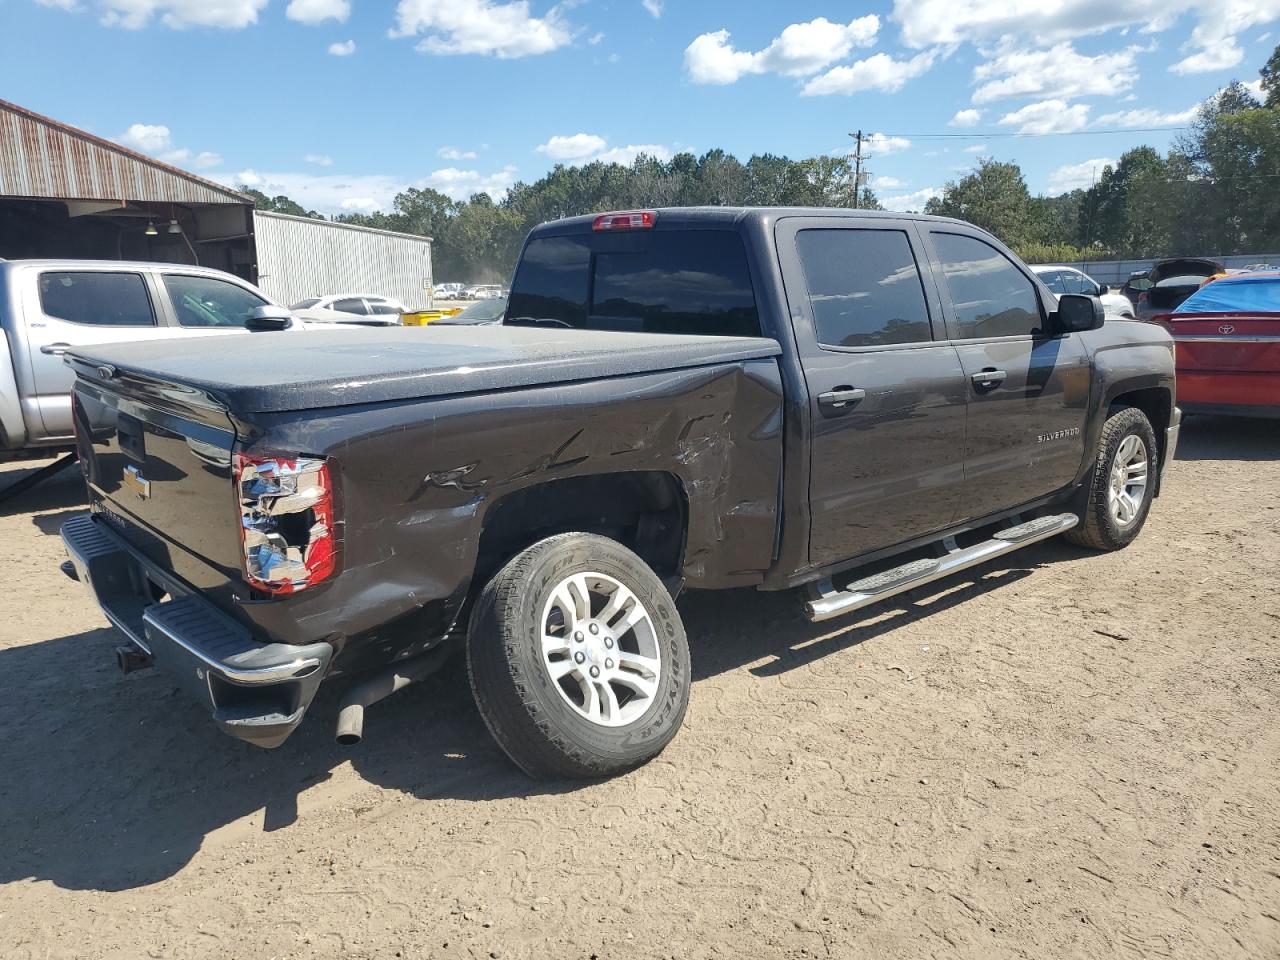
(275,372)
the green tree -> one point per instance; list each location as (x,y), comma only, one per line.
(994,197)
(1271,79)
(277,204)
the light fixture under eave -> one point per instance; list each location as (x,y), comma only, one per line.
(151,230)
(173,227)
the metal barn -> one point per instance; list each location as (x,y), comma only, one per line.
(65,193)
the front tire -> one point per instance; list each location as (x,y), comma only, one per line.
(1122,485)
(578,659)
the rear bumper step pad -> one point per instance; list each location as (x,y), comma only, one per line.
(256,692)
(825,601)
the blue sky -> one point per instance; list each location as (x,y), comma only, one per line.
(341,103)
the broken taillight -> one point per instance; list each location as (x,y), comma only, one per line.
(287,520)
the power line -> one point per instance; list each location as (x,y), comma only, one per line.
(999,135)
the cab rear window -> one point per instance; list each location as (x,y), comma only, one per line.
(684,282)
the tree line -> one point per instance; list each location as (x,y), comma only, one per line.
(1215,191)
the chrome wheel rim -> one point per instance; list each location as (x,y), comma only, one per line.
(1128,485)
(600,649)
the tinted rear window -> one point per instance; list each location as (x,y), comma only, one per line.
(97,299)
(651,281)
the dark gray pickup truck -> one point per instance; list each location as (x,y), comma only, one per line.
(853,403)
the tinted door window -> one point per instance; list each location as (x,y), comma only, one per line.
(350,305)
(206,302)
(693,281)
(98,299)
(864,287)
(992,297)
(1055,280)
(380,308)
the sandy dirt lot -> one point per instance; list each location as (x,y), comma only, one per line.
(1063,755)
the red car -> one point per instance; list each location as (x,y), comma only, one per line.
(1228,343)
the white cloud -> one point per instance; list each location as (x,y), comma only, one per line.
(453,153)
(319,159)
(800,50)
(460,184)
(1222,54)
(180,155)
(1058,72)
(312,12)
(146,137)
(1074,176)
(887,183)
(506,30)
(206,160)
(1212,44)
(910,201)
(595,38)
(1047,116)
(627,155)
(976,148)
(337,193)
(652,7)
(344,49)
(965,118)
(574,147)
(881,145)
(1147,117)
(175,14)
(877,72)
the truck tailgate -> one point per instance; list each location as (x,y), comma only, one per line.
(158,464)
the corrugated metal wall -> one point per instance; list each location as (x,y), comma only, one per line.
(299,258)
(1116,272)
(42,158)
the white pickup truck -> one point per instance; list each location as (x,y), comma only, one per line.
(50,306)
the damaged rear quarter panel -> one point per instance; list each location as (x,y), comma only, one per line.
(418,478)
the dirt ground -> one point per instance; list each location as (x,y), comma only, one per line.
(1063,755)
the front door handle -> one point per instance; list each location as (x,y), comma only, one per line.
(986,379)
(840,398)
(55,349)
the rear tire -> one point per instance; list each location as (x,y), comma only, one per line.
(1122,484)
(578,659)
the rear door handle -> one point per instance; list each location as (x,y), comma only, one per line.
(988,378)
(841,397)
(55,349)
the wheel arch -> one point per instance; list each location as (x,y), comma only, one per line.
(645,510)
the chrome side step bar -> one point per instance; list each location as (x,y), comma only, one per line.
(825,601)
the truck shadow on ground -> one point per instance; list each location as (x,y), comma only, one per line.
(64,490)
(1229,438)
(112,782)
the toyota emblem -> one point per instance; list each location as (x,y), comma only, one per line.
(1226,329)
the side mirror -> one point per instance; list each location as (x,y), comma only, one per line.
(1103,288)
(269,317)
(1077,313)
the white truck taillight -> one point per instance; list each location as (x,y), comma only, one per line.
(287,519)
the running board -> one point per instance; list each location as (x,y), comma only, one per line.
(825,601)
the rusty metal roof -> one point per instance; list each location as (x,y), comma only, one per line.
(42,158)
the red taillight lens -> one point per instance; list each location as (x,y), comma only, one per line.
(287,521)
(626,220)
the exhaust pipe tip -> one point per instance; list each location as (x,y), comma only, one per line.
(350,725)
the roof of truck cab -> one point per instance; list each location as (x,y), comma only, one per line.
(669,217)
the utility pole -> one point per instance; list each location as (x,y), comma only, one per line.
(858,139)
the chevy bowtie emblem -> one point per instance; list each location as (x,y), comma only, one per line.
(1226,329)
(135,481)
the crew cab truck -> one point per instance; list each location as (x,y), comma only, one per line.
(848,402)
